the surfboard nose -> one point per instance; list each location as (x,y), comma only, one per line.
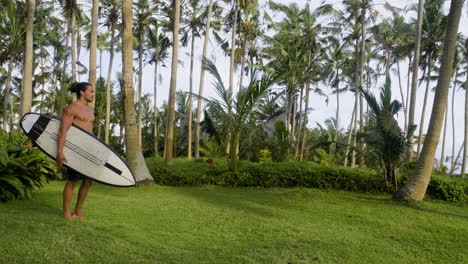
(28,121)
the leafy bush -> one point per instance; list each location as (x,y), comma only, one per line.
(294,174)
(23,167)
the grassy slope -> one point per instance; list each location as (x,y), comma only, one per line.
(225,225)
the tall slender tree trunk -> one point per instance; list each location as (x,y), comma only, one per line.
(202,81)
(233,48)
(453,120)
(442,153)
(140,81)
(350,134)
(423,113)
(299,130)
(26,93)
(407,93)
(355,129)
(416,186)
(6,98)
(134,156)
(156,149)
(337,118)
(242,64)
(401,91)
(63,91)
(172,92)
(93,46)
(304,121)
(361,81)
(293,117)
(189,132)
(455,160)
(231,66)
(108,88)
(465,136)
(414,81)
(73,46)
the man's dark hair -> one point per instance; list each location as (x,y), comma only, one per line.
(77,87)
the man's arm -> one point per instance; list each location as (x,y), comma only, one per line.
(65,124)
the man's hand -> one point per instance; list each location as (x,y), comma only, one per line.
(60,158)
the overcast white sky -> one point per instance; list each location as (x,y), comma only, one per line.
(322,110)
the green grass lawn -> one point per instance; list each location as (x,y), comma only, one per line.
(208,224)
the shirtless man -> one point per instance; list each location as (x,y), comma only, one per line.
(79,114)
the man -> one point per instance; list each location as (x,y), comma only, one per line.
(79,114)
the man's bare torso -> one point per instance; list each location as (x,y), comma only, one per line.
(83,116)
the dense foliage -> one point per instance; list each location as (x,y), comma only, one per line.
(23,168)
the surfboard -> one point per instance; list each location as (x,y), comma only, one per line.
(85,152)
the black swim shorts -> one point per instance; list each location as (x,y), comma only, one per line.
(73,175)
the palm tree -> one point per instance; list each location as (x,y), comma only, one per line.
(13,32)
(93,44)
(202,79)
(237,112)
(26,96)
(386,142)
(172,92)
(112,17)
(134,156)
(143,14)
(415,187)
(194,22)
(158,44)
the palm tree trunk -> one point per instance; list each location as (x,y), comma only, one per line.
(26,93)
(407,92)
(242,64)
(63,91)
(304,128)
(442,154)
(140,81)
(423,113)
(299,130)
(93,45)
(453,119)
(337,118)
(108,88)
(202,81)
(6,98)
(134,156)
(455,160)
(293,117)
(233,48)
(465,142)
(155,111)
(73,46)
(350,134)
(416,186)
(414,81)
(189,132)
(401,91)
(172,92)
(361,80)
(355,129)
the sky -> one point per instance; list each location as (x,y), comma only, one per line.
(322,110)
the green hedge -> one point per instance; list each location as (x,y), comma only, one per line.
(293,174)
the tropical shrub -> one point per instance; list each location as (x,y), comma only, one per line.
(23,168)
(294,174)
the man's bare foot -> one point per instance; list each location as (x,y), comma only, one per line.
(69,216)
(78,213)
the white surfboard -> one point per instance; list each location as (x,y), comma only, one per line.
(85,152)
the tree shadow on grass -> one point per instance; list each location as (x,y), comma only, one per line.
(266,203)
